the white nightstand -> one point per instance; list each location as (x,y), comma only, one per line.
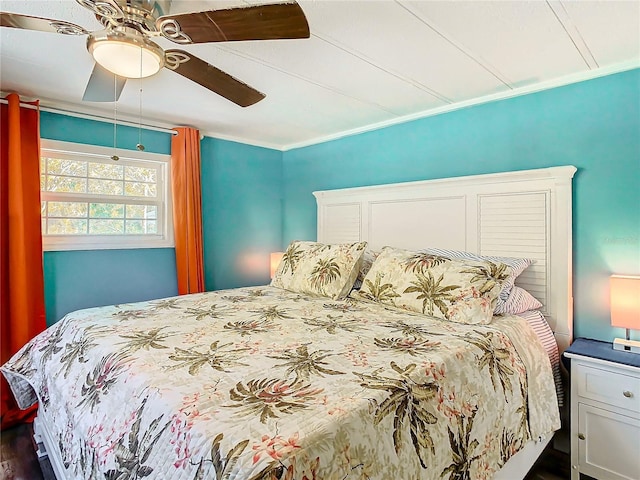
(605,411)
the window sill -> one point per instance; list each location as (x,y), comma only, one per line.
(51,244)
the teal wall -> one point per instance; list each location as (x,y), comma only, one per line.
(242,224)
(594,125)
(90,278)
(242,212)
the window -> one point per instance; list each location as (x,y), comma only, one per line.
(90,201)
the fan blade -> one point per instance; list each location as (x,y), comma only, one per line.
(27,22)
(258,22)
(211,77)
(103,86)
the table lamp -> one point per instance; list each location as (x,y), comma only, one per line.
(625,309)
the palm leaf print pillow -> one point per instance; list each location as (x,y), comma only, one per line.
(456,290)
(517,265)
(319,269)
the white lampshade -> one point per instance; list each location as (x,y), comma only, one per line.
(625,301)
(625,309)
(275,259)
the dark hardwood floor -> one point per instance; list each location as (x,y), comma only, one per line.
(18,460)
(552,465)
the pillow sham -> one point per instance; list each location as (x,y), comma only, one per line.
(519,301)
(462,291)
(319,269)
(517,265)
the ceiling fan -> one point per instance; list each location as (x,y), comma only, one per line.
(124,47)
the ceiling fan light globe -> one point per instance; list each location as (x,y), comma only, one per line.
(125,55)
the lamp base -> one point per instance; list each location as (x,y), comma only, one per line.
(625,345)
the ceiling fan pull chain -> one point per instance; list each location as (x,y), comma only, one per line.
(115,157)
(140,146)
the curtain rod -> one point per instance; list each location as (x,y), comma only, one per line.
(88,116)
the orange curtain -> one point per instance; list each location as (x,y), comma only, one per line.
(187,209)
(22,286)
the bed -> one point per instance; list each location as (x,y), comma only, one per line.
(317,380)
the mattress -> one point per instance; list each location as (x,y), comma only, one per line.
(262,383)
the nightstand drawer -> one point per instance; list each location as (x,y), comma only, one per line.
(610,387)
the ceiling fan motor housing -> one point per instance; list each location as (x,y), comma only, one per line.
(138,14)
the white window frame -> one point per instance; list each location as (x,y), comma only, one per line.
(79,151)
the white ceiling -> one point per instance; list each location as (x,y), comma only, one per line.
(367,64)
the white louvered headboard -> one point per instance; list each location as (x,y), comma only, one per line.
(524,214)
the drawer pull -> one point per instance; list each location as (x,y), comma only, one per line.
(627,394)
(581,436)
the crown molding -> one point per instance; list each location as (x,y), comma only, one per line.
(516,92)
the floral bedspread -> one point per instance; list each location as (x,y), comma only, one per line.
(261,383)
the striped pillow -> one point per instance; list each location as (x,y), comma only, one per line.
(519,301)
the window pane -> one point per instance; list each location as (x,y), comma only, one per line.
(73,168)
(106,227)
(142,211)
(141,227)
(140,174)
(139,189)
(106,210)
(67,209)
(106,170)
(105,187)
(66,184)
(43,176)
(67,226)
(101,202)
